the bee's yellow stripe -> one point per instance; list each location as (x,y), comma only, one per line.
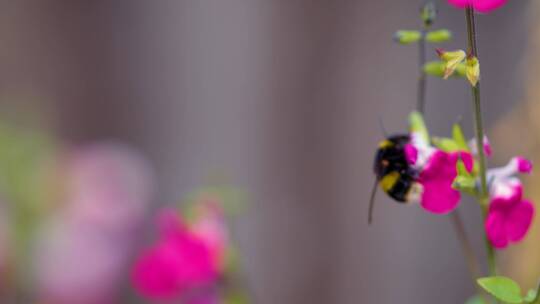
(385,144)
(389,180)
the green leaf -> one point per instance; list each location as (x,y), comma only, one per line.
(459,138)
(439,36)
(475,300)
(407,37)
(417,125)
(531,296)
(503,288)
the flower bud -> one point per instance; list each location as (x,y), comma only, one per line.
(428,13)
(523,165)
(452,60)
(473,70)
(437,68)
(407,37)
(439,36)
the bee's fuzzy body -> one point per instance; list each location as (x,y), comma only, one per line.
(394,173)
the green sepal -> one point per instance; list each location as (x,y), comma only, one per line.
(502,288)
(439,36)
(407,37)
(465,181)
(461,71)
(445,144)
(437,68)
(459,138)
(465,184)
(418,126)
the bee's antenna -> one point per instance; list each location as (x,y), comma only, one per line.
(383,129)
(372,202)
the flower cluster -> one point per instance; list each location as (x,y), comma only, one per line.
(446,168)
(189,259)
(436,167)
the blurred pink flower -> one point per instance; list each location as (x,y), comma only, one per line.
(437,177)
(84,249)
(110,185)
(483,6)
(177,264)
(509,216)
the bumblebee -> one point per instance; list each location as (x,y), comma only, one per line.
(394,174)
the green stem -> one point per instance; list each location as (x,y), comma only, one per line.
(459,228)
(472,263)
(421,93)
(483,195)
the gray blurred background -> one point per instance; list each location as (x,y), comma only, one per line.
(283,96)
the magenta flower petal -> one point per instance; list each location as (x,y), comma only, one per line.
(507,195)
(487,147)
(519,220)
(483,6)
(439,198)
(486,6)
(437,178)
(523,165)
(495,229)
(180,261)
(467,159)
(411,154)
(509,217)
(460,3)
(156,273)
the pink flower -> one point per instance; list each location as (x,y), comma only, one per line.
(509,216)
(522,164)
(83,249)
(109,185)
(487,147)
(483,6)
(437,178)
(411,154)
(178,263)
